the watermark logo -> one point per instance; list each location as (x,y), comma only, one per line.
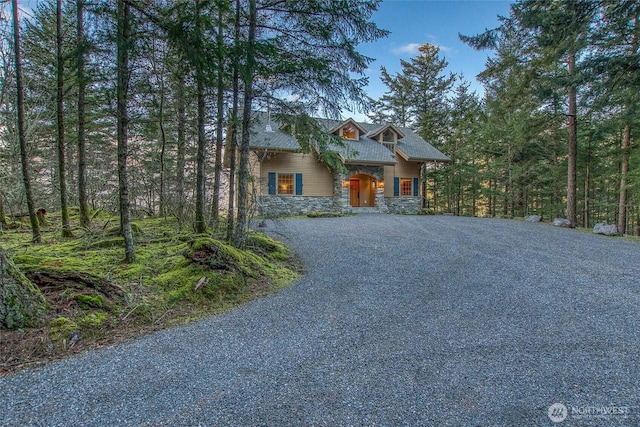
(557,412)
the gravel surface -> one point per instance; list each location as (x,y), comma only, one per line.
(401,320)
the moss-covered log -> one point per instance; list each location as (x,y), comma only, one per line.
(21,302)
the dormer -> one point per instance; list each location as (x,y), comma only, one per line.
(348,129)
(387,135)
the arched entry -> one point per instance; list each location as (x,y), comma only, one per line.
(362,191)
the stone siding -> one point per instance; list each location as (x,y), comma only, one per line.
(278,206)
(403,205)
(272,206)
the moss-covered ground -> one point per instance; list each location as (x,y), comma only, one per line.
(96,299)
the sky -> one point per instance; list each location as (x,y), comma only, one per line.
(414,22)
(438,22)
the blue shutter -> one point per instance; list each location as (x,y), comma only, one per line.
(272,183)
(298,184)
(396,186)
(415,187)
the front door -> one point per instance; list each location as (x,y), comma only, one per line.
(354,185)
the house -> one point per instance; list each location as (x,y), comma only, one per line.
(383,165)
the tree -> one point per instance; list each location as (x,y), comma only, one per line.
(430,88)
(21,302)
(3,215)
(81,47)
(123,46)
(615,90)
(240,235)
(232,137)
(561,31)
(62,166)
(221,54)
(463,172)
(24,160)
(396,104)
(417,97)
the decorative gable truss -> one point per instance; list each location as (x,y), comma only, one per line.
(387,135)
(349,129)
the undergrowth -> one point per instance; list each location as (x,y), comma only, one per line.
(95,298)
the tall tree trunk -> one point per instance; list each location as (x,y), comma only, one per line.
(124,40)
(24,159)
(163,149)
(587,184)
(62,175)
(3,216)
(232,142)
(626,145)
(21,302)
(82,84)
(573,142)
(163,136)
(200,226)
(181,146)
(215,204)
(240,238)
(624,173)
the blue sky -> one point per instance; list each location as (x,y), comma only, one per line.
(415,22)
(438,22)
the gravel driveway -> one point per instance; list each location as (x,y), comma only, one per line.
(401,320)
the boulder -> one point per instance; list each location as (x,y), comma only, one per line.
(562,222)
(606,229)
(533,218)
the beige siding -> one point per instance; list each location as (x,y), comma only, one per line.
(254,170)
(316,178)
(402,169)
(389,173)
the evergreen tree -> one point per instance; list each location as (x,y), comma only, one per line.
(24,160)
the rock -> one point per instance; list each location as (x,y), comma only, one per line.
(606,229)
(533,218)
(562,222)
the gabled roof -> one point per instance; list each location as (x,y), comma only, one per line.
(346,122)
(366,150)
(375,132)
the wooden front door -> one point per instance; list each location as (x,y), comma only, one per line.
(354,185)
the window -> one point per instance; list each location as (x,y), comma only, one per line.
(389,136)
(284,183)
(349,132)
(405,187)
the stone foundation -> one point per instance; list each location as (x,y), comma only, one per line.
(278,206)
(403,205)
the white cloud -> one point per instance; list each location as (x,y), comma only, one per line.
(407,48)
(412,48)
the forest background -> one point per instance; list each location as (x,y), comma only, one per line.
(128,107)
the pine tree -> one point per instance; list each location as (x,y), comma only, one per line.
(124,39)
(24,159)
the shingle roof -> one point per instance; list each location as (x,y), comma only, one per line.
(365,150)
(416,148)
(273,140)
